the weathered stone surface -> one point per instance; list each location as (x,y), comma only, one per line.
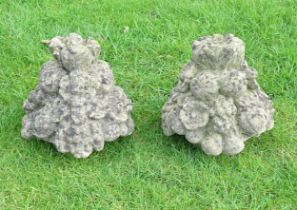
(76,105)
(217,102)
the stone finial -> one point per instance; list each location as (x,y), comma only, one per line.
(217,102)
(76,106)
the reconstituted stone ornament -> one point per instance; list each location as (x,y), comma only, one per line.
(76,105)
(217,102)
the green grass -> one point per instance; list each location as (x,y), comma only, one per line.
(148,170)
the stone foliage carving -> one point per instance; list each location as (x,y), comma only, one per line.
(217,102)
(76,106)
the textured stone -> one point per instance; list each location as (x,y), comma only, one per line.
(217,102)
(76,105)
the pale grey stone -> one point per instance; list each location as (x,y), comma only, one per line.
(76,105)
(217,101)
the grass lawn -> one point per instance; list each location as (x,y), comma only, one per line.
(148,170)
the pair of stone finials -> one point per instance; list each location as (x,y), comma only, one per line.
(217,102)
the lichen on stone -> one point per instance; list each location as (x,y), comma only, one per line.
(217,102)
(76,105)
